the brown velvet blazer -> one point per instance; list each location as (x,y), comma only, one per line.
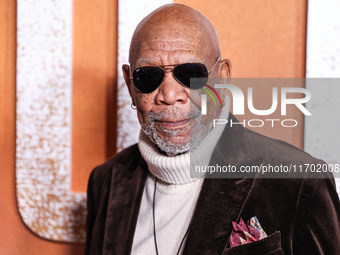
(301,215)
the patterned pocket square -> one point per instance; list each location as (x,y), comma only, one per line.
(246,233)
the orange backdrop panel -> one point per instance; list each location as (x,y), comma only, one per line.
(94,87)
(263,39)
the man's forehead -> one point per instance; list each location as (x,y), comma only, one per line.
(168,59)
(170,44)
(142,61)
(165,52)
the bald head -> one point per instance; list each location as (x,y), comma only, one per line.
(175,27)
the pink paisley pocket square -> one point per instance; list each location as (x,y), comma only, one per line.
(246,233)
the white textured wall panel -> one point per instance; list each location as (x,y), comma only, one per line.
(322,131)
(44,106)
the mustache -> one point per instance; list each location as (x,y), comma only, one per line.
(173,114)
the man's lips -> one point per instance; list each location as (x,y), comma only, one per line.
(171,124)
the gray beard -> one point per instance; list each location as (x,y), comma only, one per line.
(198,130)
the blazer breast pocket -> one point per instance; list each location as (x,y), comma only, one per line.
(267,246)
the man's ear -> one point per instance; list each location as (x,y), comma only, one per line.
(126,74)
(225,69)
(225,74)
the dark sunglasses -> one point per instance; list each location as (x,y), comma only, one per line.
(148,78)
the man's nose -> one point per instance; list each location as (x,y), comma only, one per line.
(171,91)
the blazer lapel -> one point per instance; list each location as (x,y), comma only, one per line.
(123,207)
(221,200)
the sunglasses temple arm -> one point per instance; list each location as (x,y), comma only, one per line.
(218,60)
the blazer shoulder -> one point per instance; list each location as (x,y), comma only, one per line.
(277,150)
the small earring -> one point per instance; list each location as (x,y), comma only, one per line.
(133,107)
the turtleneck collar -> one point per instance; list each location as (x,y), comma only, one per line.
(176,169)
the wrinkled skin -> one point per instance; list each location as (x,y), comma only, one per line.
(172,35)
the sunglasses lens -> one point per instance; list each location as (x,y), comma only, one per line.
(148,78)
(184,72)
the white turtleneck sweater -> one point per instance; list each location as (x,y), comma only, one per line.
(176,193)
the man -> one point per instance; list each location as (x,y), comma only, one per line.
(144,201)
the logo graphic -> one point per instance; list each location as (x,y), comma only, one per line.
(281,98)
(204,98)
(239,100)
